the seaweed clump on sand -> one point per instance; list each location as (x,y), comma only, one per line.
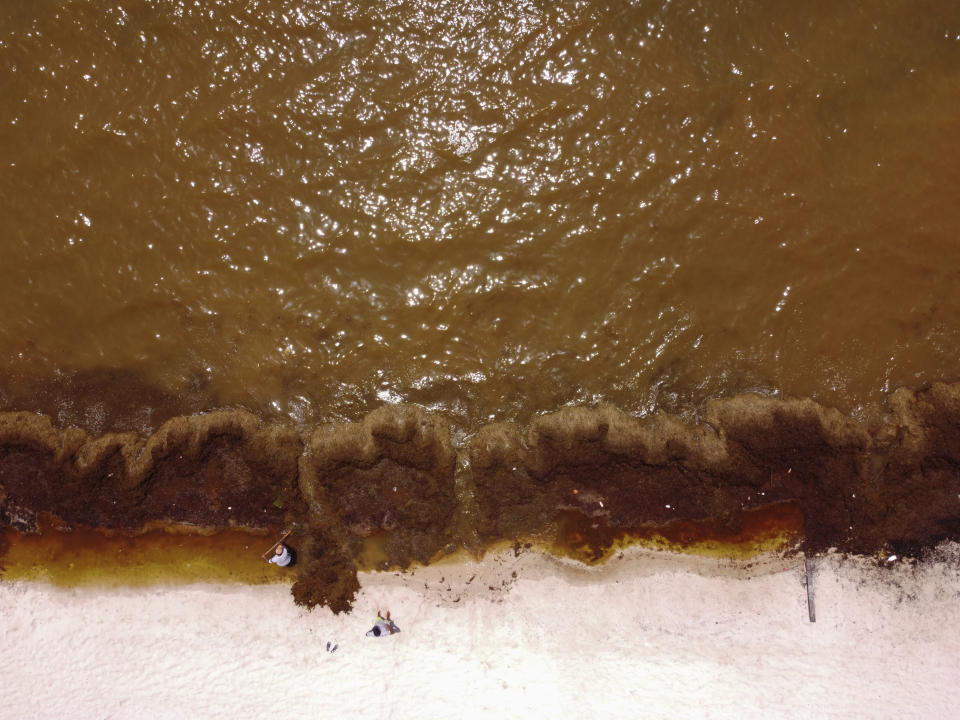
(328,573)
(389,491)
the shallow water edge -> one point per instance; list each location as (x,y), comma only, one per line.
(399,487)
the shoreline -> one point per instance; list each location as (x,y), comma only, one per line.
(651,635)
(579,480)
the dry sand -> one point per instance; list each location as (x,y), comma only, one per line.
(650,635)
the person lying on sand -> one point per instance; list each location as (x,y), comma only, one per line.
(383,626)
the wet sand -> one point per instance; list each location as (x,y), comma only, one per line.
(650,635)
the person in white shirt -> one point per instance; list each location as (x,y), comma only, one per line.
(283,556)
(383,626)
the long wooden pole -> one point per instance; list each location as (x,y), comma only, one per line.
(272,547)
(808,565)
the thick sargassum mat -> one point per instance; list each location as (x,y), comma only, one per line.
(396,489)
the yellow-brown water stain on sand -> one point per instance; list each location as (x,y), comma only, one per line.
(86,556)
(591,540)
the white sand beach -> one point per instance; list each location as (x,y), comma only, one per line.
(650,635)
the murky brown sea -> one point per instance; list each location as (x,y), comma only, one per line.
(314,210)
(490,209)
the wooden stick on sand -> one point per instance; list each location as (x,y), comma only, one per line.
(808,564)
(285,536)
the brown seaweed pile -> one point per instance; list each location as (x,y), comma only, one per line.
(397,476)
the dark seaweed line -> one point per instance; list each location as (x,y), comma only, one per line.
(894,484)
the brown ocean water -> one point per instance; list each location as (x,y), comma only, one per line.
(309,209)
